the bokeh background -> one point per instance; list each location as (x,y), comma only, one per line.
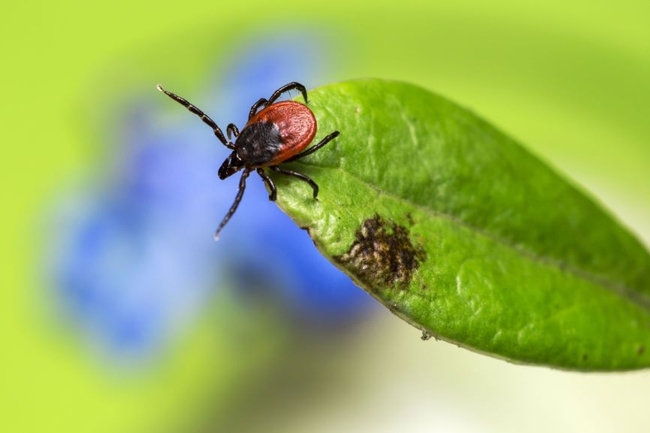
(120,314)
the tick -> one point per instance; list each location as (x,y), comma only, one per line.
(275,133)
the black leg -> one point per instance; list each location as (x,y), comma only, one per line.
(299,176)
(265,177)
(233,208)
(232,129)
(314,148)
(261,101)
(204,117)
(287,88)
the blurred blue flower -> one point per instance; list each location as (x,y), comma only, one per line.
(133,257)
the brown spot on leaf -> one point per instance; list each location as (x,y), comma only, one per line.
(641,350)
(382,254)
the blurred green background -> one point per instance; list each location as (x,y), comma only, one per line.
(570,79)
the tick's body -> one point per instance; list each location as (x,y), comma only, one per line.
(277,133)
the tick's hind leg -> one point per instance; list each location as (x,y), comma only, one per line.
(286,88)
(315,147)
(300,176)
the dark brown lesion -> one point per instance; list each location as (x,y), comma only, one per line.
(382,254)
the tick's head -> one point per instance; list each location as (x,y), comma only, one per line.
(230,166)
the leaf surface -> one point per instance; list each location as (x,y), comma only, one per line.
(460,231)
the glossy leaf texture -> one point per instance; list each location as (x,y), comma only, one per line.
(463,233)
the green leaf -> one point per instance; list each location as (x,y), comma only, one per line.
(461,232)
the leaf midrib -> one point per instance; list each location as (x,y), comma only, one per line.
(619,289)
